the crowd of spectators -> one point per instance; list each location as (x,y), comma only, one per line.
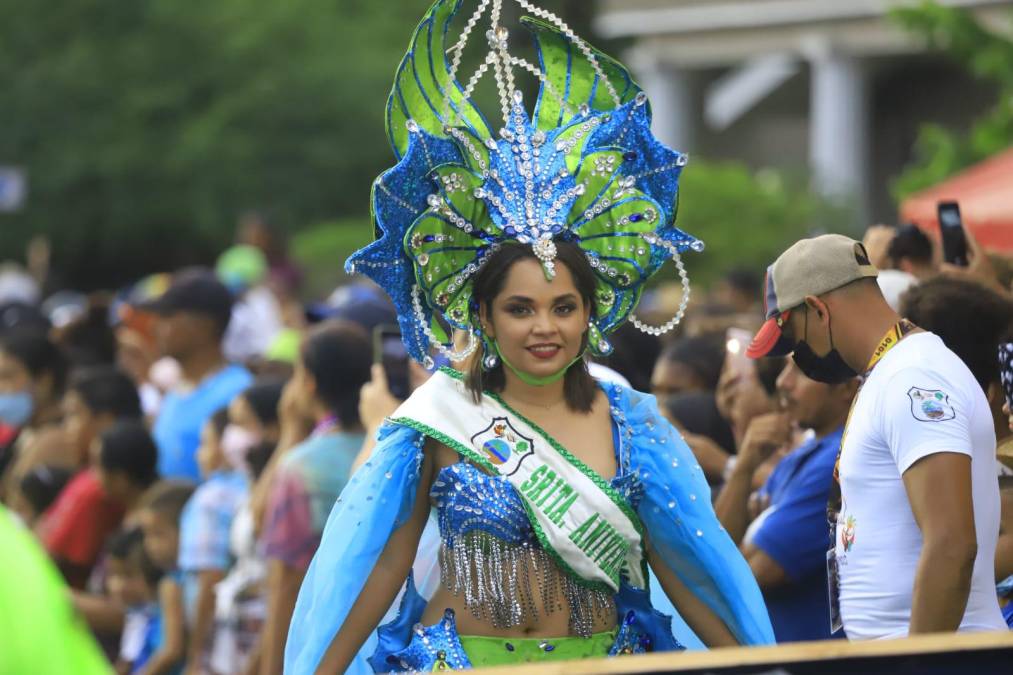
(176,446)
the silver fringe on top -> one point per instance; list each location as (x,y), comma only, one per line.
(500,582)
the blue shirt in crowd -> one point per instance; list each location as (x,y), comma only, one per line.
(793,531)
(181,417)
(204,528)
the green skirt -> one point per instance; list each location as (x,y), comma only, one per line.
(494,651)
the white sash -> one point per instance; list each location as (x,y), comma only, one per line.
(577,515)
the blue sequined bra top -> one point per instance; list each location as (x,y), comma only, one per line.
(491,555)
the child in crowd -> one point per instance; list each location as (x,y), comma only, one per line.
(74,530)
(256,411)
(334,363)
(132,580)
(160,511)
(239,605)
(204,556)
(124,461)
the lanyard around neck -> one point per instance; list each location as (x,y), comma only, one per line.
(889,341)
(898,332)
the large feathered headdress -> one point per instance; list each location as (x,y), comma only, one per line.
(583,167)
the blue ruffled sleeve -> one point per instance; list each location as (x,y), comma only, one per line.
(376,501)
(677,513)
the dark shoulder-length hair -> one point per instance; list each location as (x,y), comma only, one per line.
(578,386)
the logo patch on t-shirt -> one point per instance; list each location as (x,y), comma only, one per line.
(930,405)
(848,534)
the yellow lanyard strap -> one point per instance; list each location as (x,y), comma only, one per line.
(889,341)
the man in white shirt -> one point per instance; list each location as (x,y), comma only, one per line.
(918,518)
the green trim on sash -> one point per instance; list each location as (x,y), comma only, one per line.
(480,460)
(595,477)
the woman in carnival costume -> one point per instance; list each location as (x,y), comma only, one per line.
(556,496)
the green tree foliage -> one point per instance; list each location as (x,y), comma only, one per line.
(745,218)
(147,126)
(989,56)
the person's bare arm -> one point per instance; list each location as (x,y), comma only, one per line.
(763,471)
(204,618)
(1004,546)
(711,456)
(169,655)
(283,582)
(764,436)
(768,572)
(375,404)
(253,660)
(939,489)
(384,581)
(102,614)
(294,430)
(732,504)
(705,623)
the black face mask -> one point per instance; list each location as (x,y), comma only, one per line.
(829,369)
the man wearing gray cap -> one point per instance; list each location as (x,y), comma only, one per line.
(915,527)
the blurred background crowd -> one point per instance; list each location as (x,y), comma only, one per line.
(176,447)
(184,391)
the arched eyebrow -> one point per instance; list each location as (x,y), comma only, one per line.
(566,297)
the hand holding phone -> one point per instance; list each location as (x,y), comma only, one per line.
(951,230)
(389,351)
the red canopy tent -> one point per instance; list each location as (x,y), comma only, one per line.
(985,194)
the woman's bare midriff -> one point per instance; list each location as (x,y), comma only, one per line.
(553,624)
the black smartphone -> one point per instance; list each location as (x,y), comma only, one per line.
(951,229)
(1006,370)
(390,352)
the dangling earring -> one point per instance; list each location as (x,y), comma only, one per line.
(490,359)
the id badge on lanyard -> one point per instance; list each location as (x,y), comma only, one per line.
(834,591)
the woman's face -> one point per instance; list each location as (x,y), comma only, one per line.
(538,324)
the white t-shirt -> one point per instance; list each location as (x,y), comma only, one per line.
(919,400)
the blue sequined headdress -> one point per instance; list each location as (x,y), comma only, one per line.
(585,168)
